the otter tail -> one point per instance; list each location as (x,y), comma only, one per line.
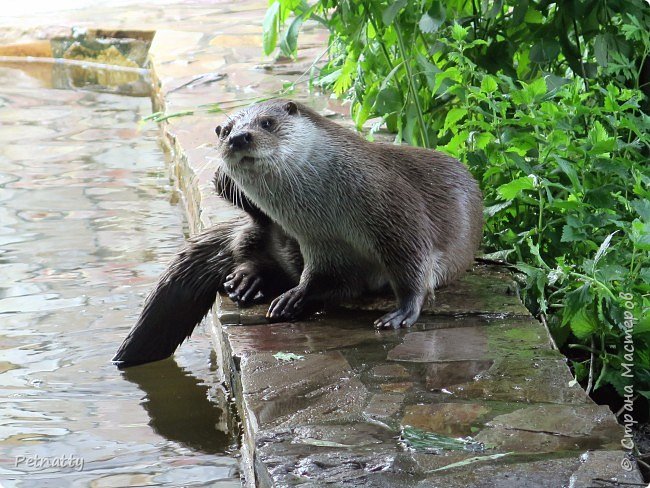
(182,297)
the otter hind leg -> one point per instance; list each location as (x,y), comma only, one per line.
(405,315)
(410,298)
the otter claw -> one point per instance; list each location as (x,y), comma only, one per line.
(252,289)
(287,306)
(233,280)
(396,319)
(243,288)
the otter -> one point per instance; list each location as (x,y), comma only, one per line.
(327,216)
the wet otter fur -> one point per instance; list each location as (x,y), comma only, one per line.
(329,216)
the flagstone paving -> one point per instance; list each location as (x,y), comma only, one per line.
(473,395)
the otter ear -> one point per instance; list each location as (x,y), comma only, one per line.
(217,130)
(291,108)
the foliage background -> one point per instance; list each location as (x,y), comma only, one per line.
(547,103)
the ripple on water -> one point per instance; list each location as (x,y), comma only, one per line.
(86,227)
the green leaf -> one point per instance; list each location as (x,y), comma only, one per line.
(427,24)
(498,255)
(519,12)
(451,73)
(456,143)
(344,81)
(289,42)
(576,300)
(544,51)
(472,460)
(571,234)
(389,14)
(482,139)
(330,78)
(537,88)
(603,248)
(363,111)
(489,84)
(603,147)
(568,169)
(612,376)
(510,190)
(642,207)
(391,75)
(287,356)
(270,28)
(430,70)
(583,324)
(534,250)
(458,32)
(453,116)
(533,16)
(431,21)
(600,49)
(521,97)
(492,210)
(494,11)
(642,326)
(389,100)
(640,235)
(597,133)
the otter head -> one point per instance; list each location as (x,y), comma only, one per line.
(259,138)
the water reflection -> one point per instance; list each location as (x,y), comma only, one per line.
(169,392)
(86,224)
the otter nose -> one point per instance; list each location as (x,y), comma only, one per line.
(241,140)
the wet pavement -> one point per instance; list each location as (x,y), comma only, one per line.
(473,395)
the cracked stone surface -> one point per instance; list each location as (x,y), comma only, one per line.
(473,395)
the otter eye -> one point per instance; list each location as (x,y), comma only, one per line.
(266,124)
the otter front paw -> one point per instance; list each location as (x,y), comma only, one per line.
(244,287)
(397,318)
(287,306)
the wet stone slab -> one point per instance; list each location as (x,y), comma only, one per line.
(408,397)
(288,393)
(473,395)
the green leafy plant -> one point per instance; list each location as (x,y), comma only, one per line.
(547,104)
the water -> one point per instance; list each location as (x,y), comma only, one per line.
(88,218)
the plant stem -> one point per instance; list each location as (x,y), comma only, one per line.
(379,33)
(592,360)
(595,282)
(411,85)
(540,219)
(582,64)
